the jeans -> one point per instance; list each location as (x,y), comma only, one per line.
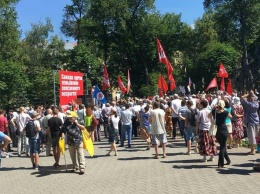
(23,141)
(126,129)
(222,140)
(34,146)
(105,126)
(97,133)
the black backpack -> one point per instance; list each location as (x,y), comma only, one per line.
(30,129)
(192,119)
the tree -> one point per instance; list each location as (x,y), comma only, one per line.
(13,85)
(209,60)
(9,33)
(244,19)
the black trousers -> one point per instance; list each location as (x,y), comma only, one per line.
(175,121)
(135,125)
(222,140)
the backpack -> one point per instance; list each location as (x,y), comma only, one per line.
(30,129)
(192,119)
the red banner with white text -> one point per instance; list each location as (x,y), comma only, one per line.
(71,86)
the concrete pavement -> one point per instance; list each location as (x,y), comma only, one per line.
(133,171)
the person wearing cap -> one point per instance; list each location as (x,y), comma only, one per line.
(74,140)
(251,105)
(35,142)
(237,122)
(20,121)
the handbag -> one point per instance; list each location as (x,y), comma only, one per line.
(17,132)
(213,127)
(144,135)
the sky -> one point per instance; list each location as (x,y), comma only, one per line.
(35,11)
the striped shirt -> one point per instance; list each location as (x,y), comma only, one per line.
(182,111)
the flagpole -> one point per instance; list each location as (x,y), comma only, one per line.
(54,86)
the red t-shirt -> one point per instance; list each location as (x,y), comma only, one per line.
(3,123)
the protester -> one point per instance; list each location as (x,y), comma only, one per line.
(237,122)
(74,134)
(190,125)
(34,141)
(126,117)
(97,115)
(90,123)
(206,142)
(54,128)
(105,115)
(181,112)
(168,119)
(157,119)
(147,125)
(20,121)
(251,105)
(113,131)
(4,133)
(47,133)
(222,132)
(175,105)
(228,108)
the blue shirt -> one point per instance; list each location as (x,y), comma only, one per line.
(146,119)
(251,108)
(228,120)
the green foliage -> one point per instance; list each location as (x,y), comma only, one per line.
(13,85)
(209,60)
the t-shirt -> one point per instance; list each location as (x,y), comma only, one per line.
(182,111)
(157,125)
(220,117)
(228,120)
(21,120)
(126,116)
(175,104)
(188,116)
(3,123)
(55,124)
(146,118)
(36,125)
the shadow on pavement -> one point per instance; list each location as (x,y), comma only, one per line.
(134,158)
(183,161)
(193,166)
(11,169)
(235,171)
(246,165)
(50,170)
(237,154)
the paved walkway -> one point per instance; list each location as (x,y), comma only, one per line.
(133,171)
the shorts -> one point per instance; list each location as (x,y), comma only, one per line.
(34,146)
(2,136)
(161,137)
(190,132)
(148,129)
(55,142)
(229,127)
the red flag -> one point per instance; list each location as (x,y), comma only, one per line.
(164,85)
(128,82)
(169,68)
(172,82)
(229,87)
(162,56)
(213,84)
(121,85)
(222,84)
(222,71)
(160,86)
(105,83)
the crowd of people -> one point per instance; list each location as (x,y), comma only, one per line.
(194,117)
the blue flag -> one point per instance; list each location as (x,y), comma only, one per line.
(98,95)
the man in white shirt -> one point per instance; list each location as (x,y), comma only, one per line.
(126,117)
(21,119)
(175,105)
(157,118)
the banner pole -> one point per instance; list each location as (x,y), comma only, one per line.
(54,88)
